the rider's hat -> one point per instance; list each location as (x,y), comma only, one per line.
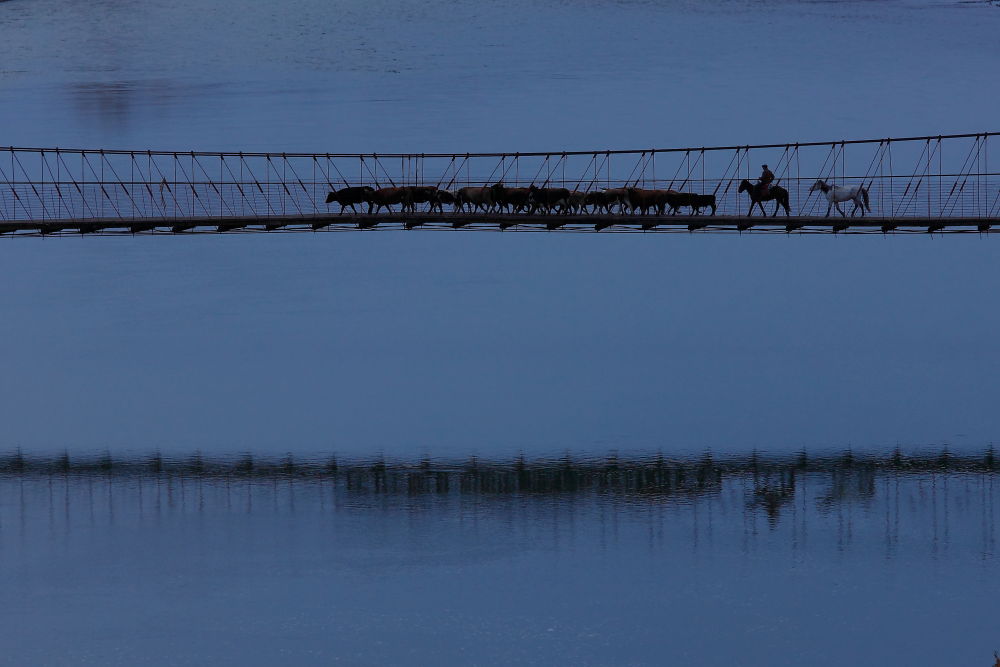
(763,166)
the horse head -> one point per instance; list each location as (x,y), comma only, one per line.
(745,186)
(820,184)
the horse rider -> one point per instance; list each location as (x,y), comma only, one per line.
(765,180)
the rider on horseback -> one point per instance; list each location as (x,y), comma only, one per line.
(764,182)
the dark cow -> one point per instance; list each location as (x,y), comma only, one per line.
(678,200)
(508,199)
(475,198)
(547,199)
(616,196)
(699,202)
(598,200)
(350,196)
(577,201)
(442,197)
(418,194)
(387,197)
(643,200)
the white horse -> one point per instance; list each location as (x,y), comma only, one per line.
(835,194)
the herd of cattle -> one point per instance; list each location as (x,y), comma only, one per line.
(498,198)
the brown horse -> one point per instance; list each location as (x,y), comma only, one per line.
(775,192)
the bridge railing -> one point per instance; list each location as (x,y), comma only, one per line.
(952,176)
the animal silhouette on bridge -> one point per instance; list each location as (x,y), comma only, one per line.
(758,196)
(835,194)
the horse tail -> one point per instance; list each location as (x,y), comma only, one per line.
(864,196)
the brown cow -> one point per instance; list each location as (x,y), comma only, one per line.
(637,198)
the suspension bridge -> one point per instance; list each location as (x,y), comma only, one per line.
(936,184)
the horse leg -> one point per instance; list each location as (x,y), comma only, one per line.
(829,205)
(763,211)
(840,210)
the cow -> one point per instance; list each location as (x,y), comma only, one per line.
(547,199)
(418,194)
(598,200)
(350,196)
(507,199)
(614,196)
(678,200)
(577,201)
(386,197)
(699,202)
(643,200)
(476,198)
(442,197)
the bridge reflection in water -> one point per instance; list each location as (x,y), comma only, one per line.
(918,501)
(924,184)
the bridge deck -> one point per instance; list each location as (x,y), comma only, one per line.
(486,221)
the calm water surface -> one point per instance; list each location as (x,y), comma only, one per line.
(447,347)
(604,560)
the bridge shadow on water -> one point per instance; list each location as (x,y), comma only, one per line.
(934,498)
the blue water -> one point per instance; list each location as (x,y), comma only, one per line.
(490,345)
